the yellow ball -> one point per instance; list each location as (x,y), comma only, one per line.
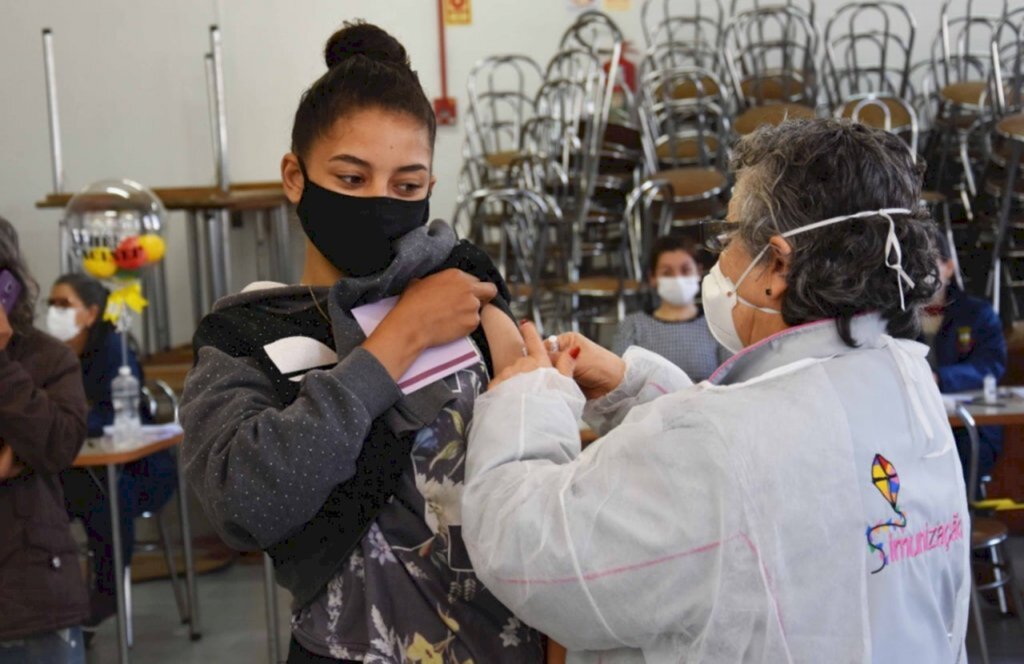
(99,262)
(153,246)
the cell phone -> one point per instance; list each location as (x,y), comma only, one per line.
(10,290)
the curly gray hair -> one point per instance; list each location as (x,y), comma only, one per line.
(805,171)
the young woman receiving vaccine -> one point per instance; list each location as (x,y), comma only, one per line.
(299,439)
(675,329)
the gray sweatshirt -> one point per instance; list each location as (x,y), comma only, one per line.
(271,430)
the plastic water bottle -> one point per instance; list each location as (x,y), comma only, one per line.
(124,393)
(989,391)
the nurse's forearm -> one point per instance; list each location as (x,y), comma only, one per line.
(648,376)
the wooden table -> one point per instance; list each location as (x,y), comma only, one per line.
(1009,412)
(209,248)
(98,453)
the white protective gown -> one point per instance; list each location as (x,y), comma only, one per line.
(804,505)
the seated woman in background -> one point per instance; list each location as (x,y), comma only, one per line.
(966,340)
(42,427)
(75,316)
(676,330)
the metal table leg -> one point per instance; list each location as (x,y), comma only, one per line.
(261,221)
(281,243)
(194,629)
(270,592)
(115,522)
(218,226)
(195,267)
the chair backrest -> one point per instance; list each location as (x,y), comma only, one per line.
(806,6)
(962,51)
(892,114)
(597,33)
(1007,88)
(868,47)
(770,56)
(527,220)
(566,111)
(161,401)
(682,21)
(501,90)
(684,112)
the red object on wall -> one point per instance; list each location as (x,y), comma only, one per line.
(444,109)
(627,67)
(444,106)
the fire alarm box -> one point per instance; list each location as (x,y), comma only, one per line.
(444,109)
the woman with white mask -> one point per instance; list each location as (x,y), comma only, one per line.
(75,316)
(805,504)
(675,329)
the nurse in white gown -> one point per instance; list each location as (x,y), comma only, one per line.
(806,504)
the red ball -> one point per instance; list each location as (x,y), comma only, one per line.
(129,254)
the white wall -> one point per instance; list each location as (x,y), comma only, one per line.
(133,94)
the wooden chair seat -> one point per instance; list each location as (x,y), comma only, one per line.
(600,287)
(501,159)
(1011,127)
(770,114)
(873,116)
(685,214)
(773,88)
(687,89)
(686,149)
(693,182)
(521,291)
(987,533)
(964,93)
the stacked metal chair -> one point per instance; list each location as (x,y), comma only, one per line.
(1003,180)
(770,54)
(961,68)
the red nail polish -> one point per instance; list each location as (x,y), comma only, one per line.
(574,352)
(523,321)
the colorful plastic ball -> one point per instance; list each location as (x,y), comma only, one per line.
(100,263)
(129,254)
(153,246)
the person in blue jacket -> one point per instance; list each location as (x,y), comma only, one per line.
(75,316)
(967,343)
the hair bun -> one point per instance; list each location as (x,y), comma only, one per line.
(366,39)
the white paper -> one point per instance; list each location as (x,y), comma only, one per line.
(434,364)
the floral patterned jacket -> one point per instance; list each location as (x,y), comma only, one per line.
(408,593)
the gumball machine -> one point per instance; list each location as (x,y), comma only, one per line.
(115,234)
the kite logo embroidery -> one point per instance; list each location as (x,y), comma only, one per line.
(887,481)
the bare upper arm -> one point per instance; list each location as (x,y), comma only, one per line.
(503,337)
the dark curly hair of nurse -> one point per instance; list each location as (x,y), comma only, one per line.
(805,171)
(366,68)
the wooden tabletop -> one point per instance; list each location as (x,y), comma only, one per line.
(1008,411)
(241,196)
(91,455)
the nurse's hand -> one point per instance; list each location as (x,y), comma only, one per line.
(597,371)
(536,357)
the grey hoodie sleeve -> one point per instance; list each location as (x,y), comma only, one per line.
(262,471)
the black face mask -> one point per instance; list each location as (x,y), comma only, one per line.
(356,234)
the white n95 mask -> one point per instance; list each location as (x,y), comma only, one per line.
(60,323)
(678,291)
(720,295)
